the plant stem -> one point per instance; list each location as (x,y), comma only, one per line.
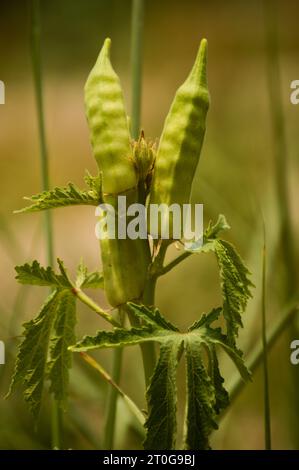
(267,413)
(174,263)
(56,413)
(281,172)
(94,306)
(136,59)
(38,86)
(131,405)
(279,143)
(147,350)
(256,357)
(108,441)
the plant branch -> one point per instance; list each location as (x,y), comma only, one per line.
(109,434)
(267,411)
(165,269)
(131,405)
(136,59)
(94,306)
(56,414)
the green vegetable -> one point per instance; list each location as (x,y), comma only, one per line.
(125,262)
(182,138)
(125,265)
(110,137)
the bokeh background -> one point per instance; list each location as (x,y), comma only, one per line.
(235,177)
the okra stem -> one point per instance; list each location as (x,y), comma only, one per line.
(56,412)
(136,57)
(168,267)
(108,442)
(94,306)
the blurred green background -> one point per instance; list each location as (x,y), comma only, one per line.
(235,177)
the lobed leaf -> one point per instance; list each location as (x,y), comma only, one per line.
(206,394)
(151,316)
(121,337)
(86,280)
(201,399)
(234,276)
(30,368)
(221,394)
(235,285)
(162,398)
(35,274)
(61,357)
(94,183)
(68,195)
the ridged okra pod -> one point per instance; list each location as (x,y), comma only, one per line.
(125,261)
(182,138)
(110,137)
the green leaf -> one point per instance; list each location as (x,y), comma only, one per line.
(234,275)
(86,280)
(210,235)
(162,399)
(94,183)
(30,368)
(205,391)
(151,316)
(213,336)
(35,274)
(201,399)
(235,285)
(221,394)
(69,195)
(206,319)
(61,357)
(121,337)
(213,231)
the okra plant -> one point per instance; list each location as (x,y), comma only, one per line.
(131,268)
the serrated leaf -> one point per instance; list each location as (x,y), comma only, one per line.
(30,368)
(206,391)
(35,274)
(213,336)
(86,280)
(206,319)
(235,285)
(121,337)
(210,235)
(61,357)
(162,399)
(221,394)
(201,400)
(234,276)
(151,316)
(94,182)
(69,195)
(213,231)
